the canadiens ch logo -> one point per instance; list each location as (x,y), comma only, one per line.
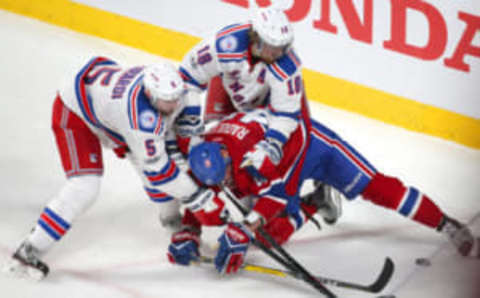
(147,119)
(228,44)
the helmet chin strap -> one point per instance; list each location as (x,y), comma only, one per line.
(257,48)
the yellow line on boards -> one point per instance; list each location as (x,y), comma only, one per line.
(121,29)
(393,109)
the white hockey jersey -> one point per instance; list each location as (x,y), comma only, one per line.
(249,83)
(110,99)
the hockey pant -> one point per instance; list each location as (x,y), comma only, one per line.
(218,103)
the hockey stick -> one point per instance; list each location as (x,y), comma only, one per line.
(375,287)
(284,258)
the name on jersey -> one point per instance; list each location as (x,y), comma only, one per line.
(125,80)
(232,129)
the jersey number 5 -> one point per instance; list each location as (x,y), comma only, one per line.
(107,73)
(150,146)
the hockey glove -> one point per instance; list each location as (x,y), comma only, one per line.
(234,243)
(207,207)
(183,248)
(173,151)
(189,125)
(281,229)
(121,151)
(261,161)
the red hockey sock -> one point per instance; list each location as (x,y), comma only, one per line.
(390,192)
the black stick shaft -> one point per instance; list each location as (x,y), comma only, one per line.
(289,262)
(378,285)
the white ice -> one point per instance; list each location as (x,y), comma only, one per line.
(117,249)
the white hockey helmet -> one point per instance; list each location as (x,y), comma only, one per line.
(272,26)
(162,82)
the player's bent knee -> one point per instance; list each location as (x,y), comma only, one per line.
(385,191)
(76,196)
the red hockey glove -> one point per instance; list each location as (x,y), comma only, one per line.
(121,151)
(281,228)
(207,207)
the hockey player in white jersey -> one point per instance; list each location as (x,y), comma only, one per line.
(250,65)
(142,112)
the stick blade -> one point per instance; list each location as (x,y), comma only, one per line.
(384,277)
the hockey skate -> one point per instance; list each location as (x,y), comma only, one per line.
(461,237)
(328,201)
(171,223)
(170,216)
(25,263)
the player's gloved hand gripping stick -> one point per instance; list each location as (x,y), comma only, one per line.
(279,254)
(234,243)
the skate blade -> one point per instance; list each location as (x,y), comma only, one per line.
(16,269)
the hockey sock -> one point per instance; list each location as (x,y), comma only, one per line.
(390,192)
(50,228)
(72,200)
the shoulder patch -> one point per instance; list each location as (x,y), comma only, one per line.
(232,43)
(147,119)
(228,43)
(141,114)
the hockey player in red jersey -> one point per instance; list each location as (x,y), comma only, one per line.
(140,112)
(329,159)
